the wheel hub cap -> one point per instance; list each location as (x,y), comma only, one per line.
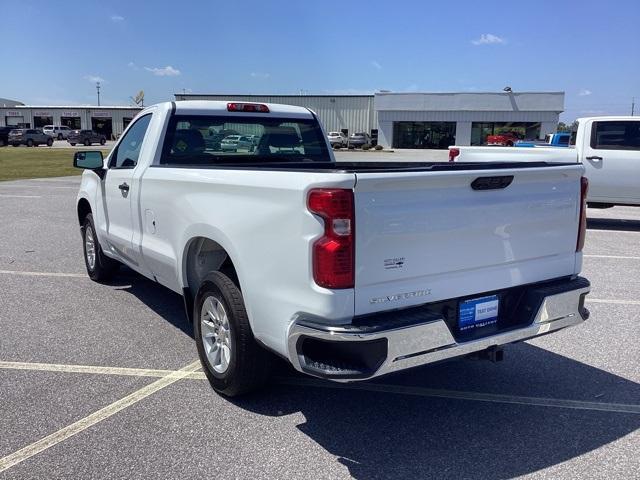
(216,337)
(90,248)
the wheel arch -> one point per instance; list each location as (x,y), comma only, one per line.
(83,209)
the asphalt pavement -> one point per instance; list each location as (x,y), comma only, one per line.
(99,381)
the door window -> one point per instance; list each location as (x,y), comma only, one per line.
(616,135)
(128,150)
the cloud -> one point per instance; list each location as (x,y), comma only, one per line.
(489,39)
(133,66)
(375,64)
(94,79)
(167,71)
(117,18)
(260,75)
(584,92)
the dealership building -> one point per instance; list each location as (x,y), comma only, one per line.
(110,121)
(425,120)
(394,120)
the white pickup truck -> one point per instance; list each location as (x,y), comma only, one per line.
(347,270)
(608,147)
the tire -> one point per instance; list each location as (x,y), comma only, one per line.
(2,144)
(29,143)
(50,142)
(247,365)
(87,143)
(73,144)
(100,267)
(60,136)
(102,141)
(15,144)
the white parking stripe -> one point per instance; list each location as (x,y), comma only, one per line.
(91,369)
(19,196)
(462,395)
(43,274)
(24,185)
(613,301)
(619,257)
(96,417)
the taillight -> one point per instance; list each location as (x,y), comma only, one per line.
(453,153)
(582,228)
(247,107)
(334,252)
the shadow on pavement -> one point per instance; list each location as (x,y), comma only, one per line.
(388,435)
(613,224)
(383,435)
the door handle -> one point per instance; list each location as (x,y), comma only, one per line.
(595,157)
(124,187)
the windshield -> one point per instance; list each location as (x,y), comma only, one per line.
(202,140)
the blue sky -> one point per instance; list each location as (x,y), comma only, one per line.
(52,52)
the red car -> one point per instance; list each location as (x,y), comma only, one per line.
(505,139)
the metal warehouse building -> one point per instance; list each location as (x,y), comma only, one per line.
(425,120)
(110,121)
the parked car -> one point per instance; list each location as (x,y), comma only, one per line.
(4,135)
(60,133)
(357,140)
(331,266)
(608,147)
(337,139)
(558,139)
(506,139)
(233,143)
(29,137)
(86,137)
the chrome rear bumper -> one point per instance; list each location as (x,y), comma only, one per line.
(430,341)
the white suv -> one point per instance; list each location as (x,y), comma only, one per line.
(59,133)
(338,139)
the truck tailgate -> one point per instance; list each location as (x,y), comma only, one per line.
(427,236)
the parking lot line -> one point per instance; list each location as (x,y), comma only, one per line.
(6,195)
(43,274)
(613,301)
(90,369)
(618,257)
(462,395)
(96,417)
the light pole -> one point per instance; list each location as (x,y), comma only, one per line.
(98,90)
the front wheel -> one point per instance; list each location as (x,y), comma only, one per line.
(50,142)
(87,143)
(102,141)
(29,143)
(233,361)
(72,144)
(60,136)
(99,266)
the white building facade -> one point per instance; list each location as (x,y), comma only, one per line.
(109,120)
(425,120)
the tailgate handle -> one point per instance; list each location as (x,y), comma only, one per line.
(492,183)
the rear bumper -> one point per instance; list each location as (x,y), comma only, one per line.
(359,352)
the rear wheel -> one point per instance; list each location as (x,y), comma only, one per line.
(233,361)
(103,141)
(29,143)
(99,266)
(87,142)
(59,136)
(50,142)
(73,144)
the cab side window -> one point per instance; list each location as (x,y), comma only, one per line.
(128,150)
(616,135)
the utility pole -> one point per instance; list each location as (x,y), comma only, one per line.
(633,105)
(98,90)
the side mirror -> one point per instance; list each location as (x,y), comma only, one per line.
(89,160)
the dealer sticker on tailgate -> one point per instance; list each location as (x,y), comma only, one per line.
(478,312)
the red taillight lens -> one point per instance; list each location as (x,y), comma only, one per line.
(582,228)
(453,153)
(333,253)
(247,107)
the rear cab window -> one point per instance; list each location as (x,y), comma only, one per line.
(615,135)
(201,140)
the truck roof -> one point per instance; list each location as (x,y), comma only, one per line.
(609,117)
(209,107)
